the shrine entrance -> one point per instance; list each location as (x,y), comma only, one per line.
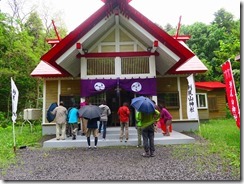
(115,99)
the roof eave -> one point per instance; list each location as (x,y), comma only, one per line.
(186,71)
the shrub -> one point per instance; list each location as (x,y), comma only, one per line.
(3,120)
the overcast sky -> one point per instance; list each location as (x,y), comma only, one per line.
(158,11)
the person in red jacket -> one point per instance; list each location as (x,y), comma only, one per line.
(124,116)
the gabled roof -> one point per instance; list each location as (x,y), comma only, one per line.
(192,65)
(45,69)
(209,85)
(172,54)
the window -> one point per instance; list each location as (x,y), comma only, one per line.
(101,66)
(171,99)
(135,65)
(97,99)
(70,101)
(201,100)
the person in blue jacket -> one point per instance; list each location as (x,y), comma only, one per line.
(73,118)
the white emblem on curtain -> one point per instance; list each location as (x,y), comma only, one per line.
(136,86)
(99,86)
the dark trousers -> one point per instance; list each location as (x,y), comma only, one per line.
(148,139)
(72,129)
(104,124)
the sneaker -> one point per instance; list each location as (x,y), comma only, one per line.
(95,147)
(138,146)
(74,137)
(89,147)
(104,139)
(145,155)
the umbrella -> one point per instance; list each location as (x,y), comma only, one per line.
(90,111)
(143,104)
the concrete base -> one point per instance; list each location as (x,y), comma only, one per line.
(49,129)
(112,139)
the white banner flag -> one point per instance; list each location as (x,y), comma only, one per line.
(192,112)
(15,97)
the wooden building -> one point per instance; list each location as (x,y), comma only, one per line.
(116,55)
(211,99)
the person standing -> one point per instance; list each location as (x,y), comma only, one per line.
(68,128)
(166,118)
(158,108)
(83,120)
(147,122)
(60,119)
(73,118)
(124,116)
(92,128)
(104,118)
(139,130)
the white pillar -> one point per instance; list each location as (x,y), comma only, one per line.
(59,90)
(83,67)
(117,66)
(179,89)
(152,66)
(44,102)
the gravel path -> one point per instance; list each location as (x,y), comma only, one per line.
(172,162)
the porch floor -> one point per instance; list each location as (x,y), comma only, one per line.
(112,139)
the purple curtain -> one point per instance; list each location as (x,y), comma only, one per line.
(140,86)
(91,87)
(146,86)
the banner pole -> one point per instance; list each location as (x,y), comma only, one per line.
(14,138)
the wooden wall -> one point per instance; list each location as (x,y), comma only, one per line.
(51,92)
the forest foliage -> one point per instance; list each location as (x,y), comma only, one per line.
(23,42)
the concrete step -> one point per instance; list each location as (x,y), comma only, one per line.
(112,139)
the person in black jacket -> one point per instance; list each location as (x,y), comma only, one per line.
(92,128)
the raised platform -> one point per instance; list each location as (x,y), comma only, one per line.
(112,139)
(179,125)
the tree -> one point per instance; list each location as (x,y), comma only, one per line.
(224,19)
(34,27)
(22,43)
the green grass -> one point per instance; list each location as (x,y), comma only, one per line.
(24,138)
(223,139)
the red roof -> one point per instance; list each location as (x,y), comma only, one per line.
(106,10)
(209,85)
(46,69)
(192,65)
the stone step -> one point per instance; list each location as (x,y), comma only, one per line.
(112,139)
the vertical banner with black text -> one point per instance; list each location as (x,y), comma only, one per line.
(192,111)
